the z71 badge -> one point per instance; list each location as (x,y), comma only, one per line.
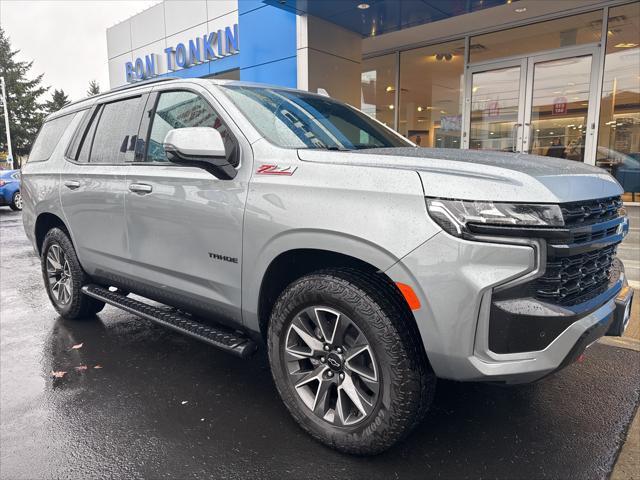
(268,169)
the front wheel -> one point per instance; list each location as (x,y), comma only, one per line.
(64,278)
(346,361)
(16,202)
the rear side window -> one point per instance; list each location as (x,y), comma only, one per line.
(48,138)
(116,131)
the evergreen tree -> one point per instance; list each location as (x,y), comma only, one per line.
(58,100)
(23,100)
(94,88)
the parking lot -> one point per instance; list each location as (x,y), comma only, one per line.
(140,401)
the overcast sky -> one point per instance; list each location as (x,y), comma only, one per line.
(67,40)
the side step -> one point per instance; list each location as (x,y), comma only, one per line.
(220,337)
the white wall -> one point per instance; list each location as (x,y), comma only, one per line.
(163,25)
(329,57)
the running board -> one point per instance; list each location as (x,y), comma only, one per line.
(220,337)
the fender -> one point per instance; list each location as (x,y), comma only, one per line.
(315,239)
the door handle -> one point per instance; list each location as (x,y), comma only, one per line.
(71,184)
(142,188)
(514,136)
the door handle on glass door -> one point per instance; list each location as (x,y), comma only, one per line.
(514,136)
(72,184)
(140,188)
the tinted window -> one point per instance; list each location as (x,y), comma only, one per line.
(116,132)
(78,135)
(301,120)
(48,138)
(180,110)
(87,139)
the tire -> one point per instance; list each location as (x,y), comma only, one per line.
(16,201)
(60,266)
(391,376)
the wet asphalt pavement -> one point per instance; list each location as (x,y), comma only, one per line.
(165,406)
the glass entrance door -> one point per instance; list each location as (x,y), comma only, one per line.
(557,117)
(541,104)
(496,116)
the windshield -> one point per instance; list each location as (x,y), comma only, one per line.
(294,119)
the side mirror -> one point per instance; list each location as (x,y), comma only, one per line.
(201,147)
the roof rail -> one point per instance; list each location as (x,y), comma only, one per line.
(138,84)
(116,89)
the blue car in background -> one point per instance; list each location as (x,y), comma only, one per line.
(10,189)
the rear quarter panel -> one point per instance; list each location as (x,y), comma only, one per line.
(41,183)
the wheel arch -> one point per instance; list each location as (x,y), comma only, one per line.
(45,222)
(295,263)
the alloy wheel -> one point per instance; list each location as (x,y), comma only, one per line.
(59,275)
(17,200)
(331,366)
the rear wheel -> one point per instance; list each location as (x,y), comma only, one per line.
(16,201)
(64,278)
(346,362)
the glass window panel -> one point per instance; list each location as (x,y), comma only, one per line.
(619,133)
(559,107)
(48,138)
(562,32)
(431,84)
(378,81)
(495,97)
(116,131)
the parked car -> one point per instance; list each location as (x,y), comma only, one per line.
(367,266)
(10,194)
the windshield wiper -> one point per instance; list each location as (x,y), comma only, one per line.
(328,147)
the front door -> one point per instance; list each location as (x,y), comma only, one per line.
(185,225)
(543,104)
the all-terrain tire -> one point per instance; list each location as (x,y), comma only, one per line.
(77,305)
(407,381)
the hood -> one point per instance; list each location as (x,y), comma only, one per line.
(484,175)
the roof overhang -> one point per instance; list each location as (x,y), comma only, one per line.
(375,17)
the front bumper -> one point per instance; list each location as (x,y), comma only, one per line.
(457,281)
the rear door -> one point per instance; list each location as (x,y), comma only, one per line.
(93,186)
(185,225)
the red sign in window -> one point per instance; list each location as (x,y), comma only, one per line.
(560,106)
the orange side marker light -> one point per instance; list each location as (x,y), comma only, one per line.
(409,295)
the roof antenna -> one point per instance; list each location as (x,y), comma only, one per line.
(323,92)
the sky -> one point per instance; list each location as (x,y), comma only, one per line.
(66,39)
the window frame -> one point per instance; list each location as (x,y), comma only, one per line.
(94,115)
(146,125)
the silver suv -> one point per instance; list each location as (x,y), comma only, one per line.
(244,214)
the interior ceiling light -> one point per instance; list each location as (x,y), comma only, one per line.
(390,107)
(389,88)
(419,109)
(363,6)
(521,10)
(444,56)
(626,45)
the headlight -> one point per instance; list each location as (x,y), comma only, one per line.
(455,216)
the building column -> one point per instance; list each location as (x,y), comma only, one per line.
(329,57)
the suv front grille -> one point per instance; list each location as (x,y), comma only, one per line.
(569,280)
(591,211)
(572,279)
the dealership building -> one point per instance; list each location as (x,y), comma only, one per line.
(556,78)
